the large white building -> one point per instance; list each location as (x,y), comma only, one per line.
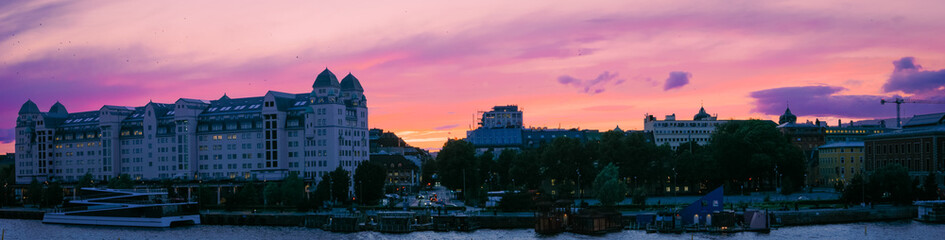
(263,137)
(674,132)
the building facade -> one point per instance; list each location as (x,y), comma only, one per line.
(264,137)
(674,132)
(919,146)
(839,162)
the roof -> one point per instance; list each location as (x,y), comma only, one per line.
(58,109)
(842,145)
(29,107)
(326,79)
(925,120)
(701,115)
(908,132)
(351,83)
(399,161)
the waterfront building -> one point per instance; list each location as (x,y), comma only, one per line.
(839,162)
(502,128)
(919,146)
(674,132)
(535,137)
(498,129)
(264,137)
(401,172)
(811,135)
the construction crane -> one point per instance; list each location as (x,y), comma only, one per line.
(900,101)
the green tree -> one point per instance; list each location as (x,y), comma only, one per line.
(929,187)
(459,168)
(609,189)
(369,182)
(34,194)
(503,167)
(761,153)
(123,181)
(525,170)
(639,196)
(340,183)
(853,192)
(322,191)
(891,183)
(427,170)
(52,196)
(272,194)
(566,162)
(293,190)
(86,180)
(7,180)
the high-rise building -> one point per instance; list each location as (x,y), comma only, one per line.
(263,137)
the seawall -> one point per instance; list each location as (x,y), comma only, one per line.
(832,216)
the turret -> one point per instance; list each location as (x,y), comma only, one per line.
(29,108)
(326,84)
(787,117)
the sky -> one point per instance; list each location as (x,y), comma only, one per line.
(428,67)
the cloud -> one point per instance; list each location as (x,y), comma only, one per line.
(446,127)
(677,80)
(592,86)
(6,135)
(909,77)
(825,101)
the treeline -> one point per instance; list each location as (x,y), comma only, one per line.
(744,156)
(890,183)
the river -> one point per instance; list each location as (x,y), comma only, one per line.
(34,229)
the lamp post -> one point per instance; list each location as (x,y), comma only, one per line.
(675,188)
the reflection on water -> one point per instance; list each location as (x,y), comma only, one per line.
(34,229)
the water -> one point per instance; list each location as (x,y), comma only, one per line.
(34,229)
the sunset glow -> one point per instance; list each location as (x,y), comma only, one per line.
(427,67)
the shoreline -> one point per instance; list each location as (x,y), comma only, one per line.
(521,220)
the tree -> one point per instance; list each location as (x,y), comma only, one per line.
(272,194)
(86,180)
(427,170)
(639,196)
(459,168)
(340,183)
(566,162)
(53,195)
(35,193)
(892,183)
(369,182)
(322,191)
(930,188)
(853,192)
(609,189)
(760,152)
(123,181)
(525,170)
(7,179)
(503,167)
(293,190)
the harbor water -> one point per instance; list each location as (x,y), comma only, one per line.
(34,229)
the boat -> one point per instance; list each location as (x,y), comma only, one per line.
(931,211)
(125,207)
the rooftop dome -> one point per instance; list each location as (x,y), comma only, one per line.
(702,115)
(29,107)
(351,83)
(787,117)
(58,108)
(326,79)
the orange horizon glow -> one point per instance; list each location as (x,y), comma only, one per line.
(428,67)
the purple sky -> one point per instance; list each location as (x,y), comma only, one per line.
(427,67)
